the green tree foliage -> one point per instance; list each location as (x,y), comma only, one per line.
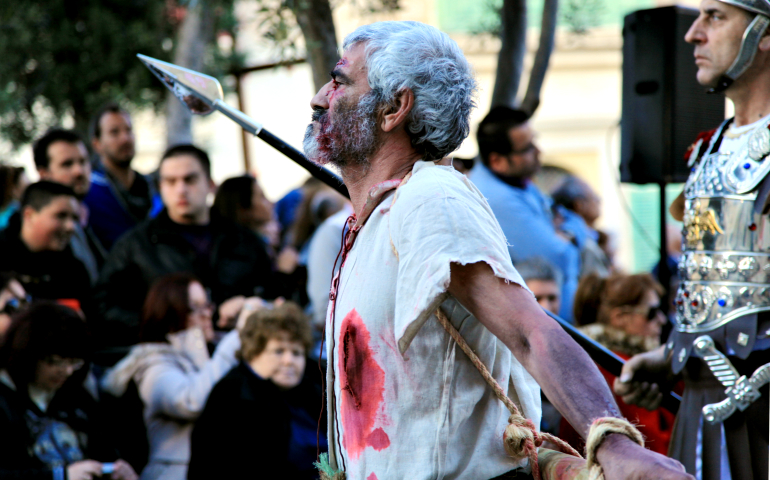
(67,57)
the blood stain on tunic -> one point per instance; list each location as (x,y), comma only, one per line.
(373,476)
(362,382)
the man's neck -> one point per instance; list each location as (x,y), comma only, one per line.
(123,174)
(203,219)
(393,160)
(751,97)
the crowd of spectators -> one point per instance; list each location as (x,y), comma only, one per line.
(146,332)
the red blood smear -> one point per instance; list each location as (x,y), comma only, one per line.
(373,476)
(363,384)
(753,227)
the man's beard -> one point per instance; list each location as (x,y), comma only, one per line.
(349,138)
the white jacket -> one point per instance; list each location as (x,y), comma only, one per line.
(174,381)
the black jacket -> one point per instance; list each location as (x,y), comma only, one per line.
(44,275)
(72,405)
(237,264)
(245,428)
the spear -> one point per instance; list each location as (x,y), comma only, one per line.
(202,95)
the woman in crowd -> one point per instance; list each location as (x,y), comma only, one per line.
(242,200)
(261,420)
(52,427)
(13,181)
(624,313)
(172,370)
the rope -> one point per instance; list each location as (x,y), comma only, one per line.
(600,428)
(521,438)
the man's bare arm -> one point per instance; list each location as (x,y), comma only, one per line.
(564,371)
(676,209)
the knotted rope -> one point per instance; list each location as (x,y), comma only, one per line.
(521,438)
(600,428)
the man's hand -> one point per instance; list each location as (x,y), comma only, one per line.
(228,311)
(123,471)
(621,458)
(84,470)
(637,383)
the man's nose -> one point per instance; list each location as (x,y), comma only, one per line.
(321,99)
(695,33)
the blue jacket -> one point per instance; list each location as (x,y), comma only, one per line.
(525,217)
(109,216)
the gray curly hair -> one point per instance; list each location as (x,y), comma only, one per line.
(425,60)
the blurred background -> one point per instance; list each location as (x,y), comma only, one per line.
(63,59)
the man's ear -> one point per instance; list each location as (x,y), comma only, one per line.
(396,114)
(96,145)
(27,213)
(499,163)
(44,173)
(764,44)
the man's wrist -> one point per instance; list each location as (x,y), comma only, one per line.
(613,444)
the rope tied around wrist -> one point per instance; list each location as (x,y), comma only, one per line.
(521,437)
(600,428)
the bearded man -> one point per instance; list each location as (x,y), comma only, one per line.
(423,247)
(723,299)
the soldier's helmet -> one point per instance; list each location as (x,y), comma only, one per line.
(757,6)
(750,43)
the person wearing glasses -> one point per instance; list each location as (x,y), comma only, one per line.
(172,369)
(52,427)
(510,159)
(625,314)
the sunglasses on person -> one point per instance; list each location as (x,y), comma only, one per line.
(650,313)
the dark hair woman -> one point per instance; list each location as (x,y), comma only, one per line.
(52,426)
(172,369)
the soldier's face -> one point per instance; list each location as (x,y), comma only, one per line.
(717,35)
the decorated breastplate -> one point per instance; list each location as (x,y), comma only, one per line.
(725,266)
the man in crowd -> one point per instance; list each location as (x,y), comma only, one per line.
(61,157)
(36,245)
(403,402)
(578,197)
(120,198)
(186,236)
(509,160)
(722,304)
(543,281)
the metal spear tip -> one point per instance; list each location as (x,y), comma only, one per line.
(198,92)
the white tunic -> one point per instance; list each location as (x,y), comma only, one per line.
(406,402)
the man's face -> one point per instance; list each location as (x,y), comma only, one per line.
(52,227)
(344,130)
(717,35)
(116,142)
(546,293)
(524,160)
(68,164)
(184,187)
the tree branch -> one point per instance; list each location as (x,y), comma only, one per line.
(315,20)
(195,33)
(510,60)
(542,57)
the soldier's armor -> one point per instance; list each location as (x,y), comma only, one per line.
(725,266)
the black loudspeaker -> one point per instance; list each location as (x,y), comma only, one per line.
(664,107)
